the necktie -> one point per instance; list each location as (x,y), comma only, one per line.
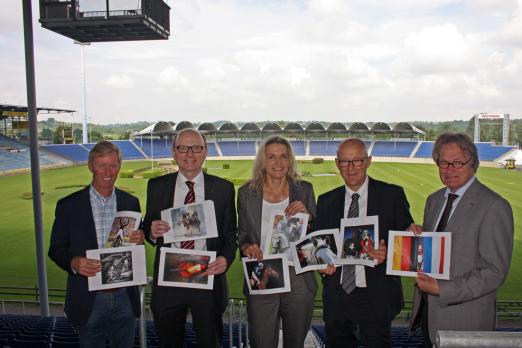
(189,198)
(348,283)
(446,213)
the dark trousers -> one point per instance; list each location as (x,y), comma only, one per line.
(352,319)
(170,307)
(424,322)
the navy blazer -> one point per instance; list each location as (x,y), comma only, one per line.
(390,204)
(160,196)
(74,233)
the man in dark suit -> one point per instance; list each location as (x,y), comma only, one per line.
(366,298)
(83,222)
(481,226)
(170,305)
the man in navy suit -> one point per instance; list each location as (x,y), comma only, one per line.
(170,305)
(368,299)
(82,222)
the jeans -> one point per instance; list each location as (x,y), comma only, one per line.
(111,319)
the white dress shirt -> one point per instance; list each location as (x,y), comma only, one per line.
(360,276)
(461,191)
(180,192)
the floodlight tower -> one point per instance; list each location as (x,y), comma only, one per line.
(85,137)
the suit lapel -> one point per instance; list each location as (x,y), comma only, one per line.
(92,239)
(210,195)
(465,207)
(373,199)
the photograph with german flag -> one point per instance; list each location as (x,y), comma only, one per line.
(428,253)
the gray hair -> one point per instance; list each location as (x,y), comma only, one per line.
(103,148)
(188,130)
(462,141)
(259,170)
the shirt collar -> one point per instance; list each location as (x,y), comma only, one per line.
(361,190)
(198,180)
(461,191)
(99,197)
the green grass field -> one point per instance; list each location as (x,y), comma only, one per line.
(17,248)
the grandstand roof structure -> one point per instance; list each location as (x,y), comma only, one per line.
(207,127)
(183,125)
(250,127)
(8,110)
(398,129)
(160,127)
(272,127)
(315,127)
(228,127)
(336,127)
(293,127)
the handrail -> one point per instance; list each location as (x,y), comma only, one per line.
(505,308)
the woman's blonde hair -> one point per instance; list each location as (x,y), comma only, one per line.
(259,171)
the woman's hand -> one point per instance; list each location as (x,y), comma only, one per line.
(296,207)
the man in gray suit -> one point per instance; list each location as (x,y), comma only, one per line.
(481,226)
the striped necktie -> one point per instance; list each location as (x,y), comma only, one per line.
(189,198)
(348,281)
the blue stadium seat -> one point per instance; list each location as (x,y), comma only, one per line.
(393,148)
(237,147)
(73,152)
(425,149)
(299,147)
(324,147)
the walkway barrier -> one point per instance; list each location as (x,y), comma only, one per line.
(491,339)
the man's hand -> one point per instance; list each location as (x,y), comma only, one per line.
(136,237)
(252,251)
(84,266)
(329,270)
(417,229)
(380,254)
(217,267)
(427,284)
(158,228)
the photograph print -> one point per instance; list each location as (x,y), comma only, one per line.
(356,237)
(428,253)
(123,224)
(315,251)
(285,230)
(268,276)
(120,267)
(185,268)
(190,222)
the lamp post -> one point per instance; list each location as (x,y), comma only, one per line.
(85,137)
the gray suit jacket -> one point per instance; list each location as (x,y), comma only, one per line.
(482,231)
(250,207)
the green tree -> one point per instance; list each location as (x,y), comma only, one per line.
(96,137)
(58,135)
(46,134)
(78,135)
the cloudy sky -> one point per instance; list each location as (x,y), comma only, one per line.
(255,60)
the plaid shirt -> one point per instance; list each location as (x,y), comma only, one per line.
(103,211)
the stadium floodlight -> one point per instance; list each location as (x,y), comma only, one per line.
(85,138)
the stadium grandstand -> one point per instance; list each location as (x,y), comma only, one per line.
(385,142)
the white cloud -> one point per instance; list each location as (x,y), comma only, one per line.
(331,60)
(120,81)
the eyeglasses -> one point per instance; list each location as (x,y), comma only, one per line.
(194,149)
(345,163)
(454,164)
